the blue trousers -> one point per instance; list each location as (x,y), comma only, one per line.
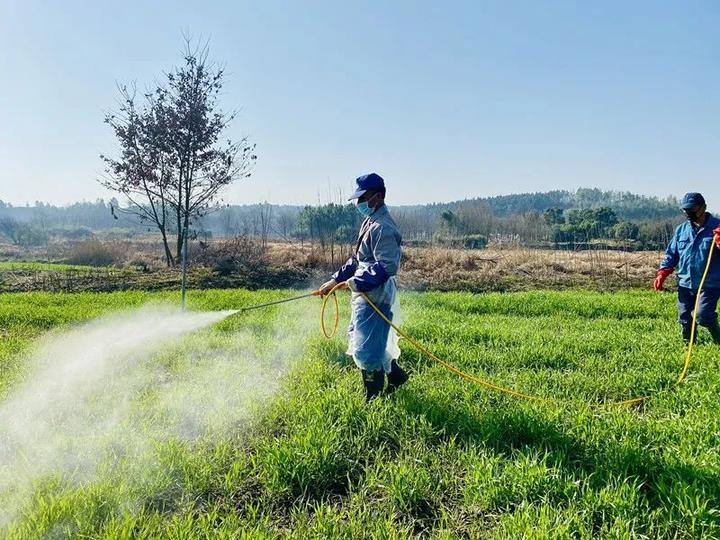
(706,315)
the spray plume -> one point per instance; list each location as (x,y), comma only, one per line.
(114,386)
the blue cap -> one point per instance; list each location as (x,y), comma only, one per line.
(691,200)
(368,182)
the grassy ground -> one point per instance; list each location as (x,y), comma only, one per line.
(440,458)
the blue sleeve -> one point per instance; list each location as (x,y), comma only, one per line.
(346,271)
(373,276)
(671,257)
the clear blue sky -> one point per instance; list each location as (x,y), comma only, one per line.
(447,100)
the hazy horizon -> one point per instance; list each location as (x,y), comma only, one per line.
(343,200)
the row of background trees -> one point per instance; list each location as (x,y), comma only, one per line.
(570,219)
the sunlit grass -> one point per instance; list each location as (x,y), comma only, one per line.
(441,457)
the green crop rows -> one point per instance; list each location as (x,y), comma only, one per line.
(440,458)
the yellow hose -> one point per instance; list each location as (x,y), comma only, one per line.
(487,384)
(333,332)
(684,371)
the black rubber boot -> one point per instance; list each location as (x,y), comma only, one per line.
(686,330)
(373,382)
(396,378)
(714,329)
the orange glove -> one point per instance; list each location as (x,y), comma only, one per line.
(660,278)
(716,235)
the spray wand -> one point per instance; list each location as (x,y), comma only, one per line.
(266,304)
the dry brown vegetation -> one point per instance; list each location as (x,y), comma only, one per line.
(522,268)
(244,262)
(496,268)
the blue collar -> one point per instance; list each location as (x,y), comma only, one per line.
(379,213)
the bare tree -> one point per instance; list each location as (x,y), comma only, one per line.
(142,173)
(285,224)
(10,228)
(265,214)
(230,223)
(172,165)
(188,107)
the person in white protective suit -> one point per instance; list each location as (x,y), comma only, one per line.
(371,270)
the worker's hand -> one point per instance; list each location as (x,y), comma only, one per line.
(716,235)
(660,278)
(326,287)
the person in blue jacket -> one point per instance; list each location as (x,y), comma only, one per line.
(371,271)
(688,253)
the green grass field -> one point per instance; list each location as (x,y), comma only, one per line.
(298,453)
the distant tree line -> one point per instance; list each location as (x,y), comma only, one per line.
(35,225)
(557,218)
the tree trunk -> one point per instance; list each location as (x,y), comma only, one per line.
(183,285)
(179,214)
(180,231)
(168,254)
(179,243)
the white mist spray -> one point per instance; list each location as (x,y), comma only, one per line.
(81,396)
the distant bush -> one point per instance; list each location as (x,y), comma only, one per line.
(625,230)
(140,263)
(120,233)
(21,233)
(474,241)
(467,241)
(93,253)
(72,233)
(239,255)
